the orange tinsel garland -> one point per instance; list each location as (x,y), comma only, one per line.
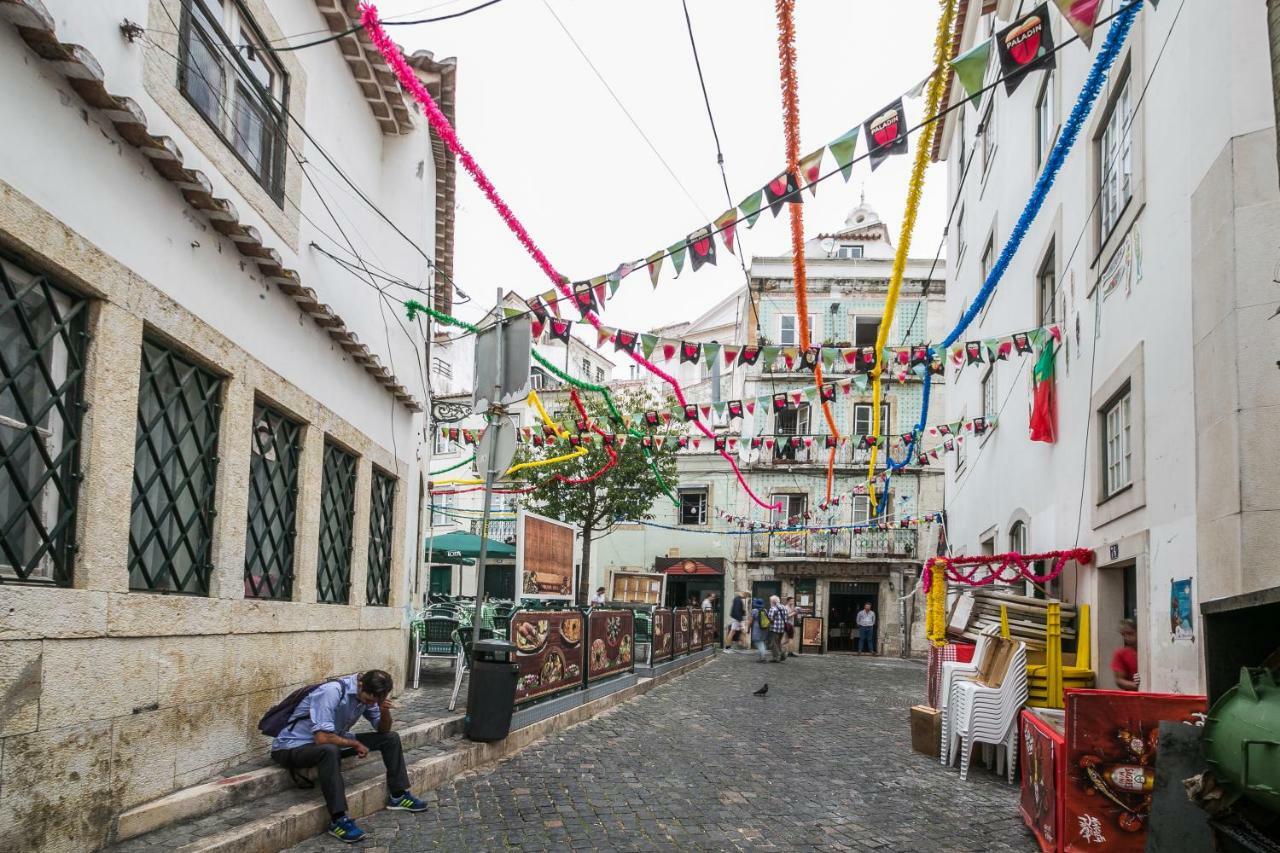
(791,128)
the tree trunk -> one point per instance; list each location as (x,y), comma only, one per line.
(584,568)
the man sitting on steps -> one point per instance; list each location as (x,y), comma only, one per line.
(319,734)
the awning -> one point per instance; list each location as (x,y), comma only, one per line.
(689,565)
(458,546)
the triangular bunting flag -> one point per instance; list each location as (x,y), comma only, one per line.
(654,263)
(1081,15)
(690,352)
(730,356)
(842,150)
(750,207)
(726,223)
(702,248)
(887,133)
(971,68)
(811,169)
(1024,45)
(781,189)
(709,353)
(647,343)
(676,253)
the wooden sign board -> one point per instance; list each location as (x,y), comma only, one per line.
(544,557)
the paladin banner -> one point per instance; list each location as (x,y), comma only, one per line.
(1024,45)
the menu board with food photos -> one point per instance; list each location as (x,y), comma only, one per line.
(710,628)
(695,628)
(549,651)
(637,587)
(611,636)
(680,620)
(662,636)
(544,557)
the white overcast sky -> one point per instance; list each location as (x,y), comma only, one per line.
(589,189)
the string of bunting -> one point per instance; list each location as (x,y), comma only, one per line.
(1003,568)
(1031,51)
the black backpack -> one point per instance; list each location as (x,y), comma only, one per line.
(280,715)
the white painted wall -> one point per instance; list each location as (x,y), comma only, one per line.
(1212,84)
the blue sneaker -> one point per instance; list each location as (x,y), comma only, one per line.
(345,829)
(405,802)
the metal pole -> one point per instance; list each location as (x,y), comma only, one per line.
(490,474)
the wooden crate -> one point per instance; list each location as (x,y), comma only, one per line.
(926,730)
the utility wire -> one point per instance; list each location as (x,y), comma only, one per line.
(625,111)
(358,27)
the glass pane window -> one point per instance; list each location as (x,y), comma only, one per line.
(174,474)
(1116,167)
(849,252)
(1117,445)
(1046,118)
(1046,292)
(236,84)
(862,419)
(273,500)
(988,257)
(42,342)
(337,514)
(988,134)
(865,331)
(788,330)
(791,512)
(990,395)
(693,506)
(381,514)
(861,509)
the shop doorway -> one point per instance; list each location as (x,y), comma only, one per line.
(500,582)
(844,600)
(689,592)
(441,580)
(763,589)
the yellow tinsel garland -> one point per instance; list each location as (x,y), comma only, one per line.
(935,624)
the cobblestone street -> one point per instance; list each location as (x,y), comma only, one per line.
(822,762)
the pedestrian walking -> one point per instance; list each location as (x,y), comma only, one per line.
(791,644)
(866,629)
(759,629)
(735,634)
(778,621)
(1124,663)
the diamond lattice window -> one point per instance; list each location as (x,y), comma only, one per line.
(337,510)
(381,511)
(42,343)
(174,474)
(273,498)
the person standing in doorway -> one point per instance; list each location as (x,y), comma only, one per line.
(778,621)
(791,643)
(867,629)
(709,603)
(1124,663)
(597,600)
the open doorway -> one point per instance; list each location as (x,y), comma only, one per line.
(1117,600)
(844,600)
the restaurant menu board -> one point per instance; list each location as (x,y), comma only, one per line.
(695,628)
(636,588)
(710,628)
(1043,771)
(1112,737)
(549,652)
(680,617)
(811,634)
(662,636)
(544,557)
(611,636)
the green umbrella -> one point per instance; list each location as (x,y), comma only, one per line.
(457,547)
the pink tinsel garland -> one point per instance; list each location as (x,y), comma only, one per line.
(391,52)
(999,566)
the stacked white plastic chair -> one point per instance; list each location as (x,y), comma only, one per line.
(989,715)
(953,672)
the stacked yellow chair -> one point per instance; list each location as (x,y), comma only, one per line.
(1046,681)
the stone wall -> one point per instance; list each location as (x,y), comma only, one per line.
(110,697)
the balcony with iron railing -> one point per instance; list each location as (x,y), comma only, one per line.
(835,545)
(815,454)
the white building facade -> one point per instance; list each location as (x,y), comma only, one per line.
(211,401)
(1155,252)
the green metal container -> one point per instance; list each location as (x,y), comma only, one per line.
(1242,739)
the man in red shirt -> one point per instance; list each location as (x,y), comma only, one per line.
(1124,663)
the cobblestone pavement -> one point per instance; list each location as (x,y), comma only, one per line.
(823,762)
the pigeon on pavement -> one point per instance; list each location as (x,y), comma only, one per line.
(762,691)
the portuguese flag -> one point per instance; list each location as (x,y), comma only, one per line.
(1044,409)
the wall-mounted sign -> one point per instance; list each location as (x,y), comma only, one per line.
(544,557)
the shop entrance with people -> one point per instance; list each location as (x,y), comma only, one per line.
(844,601)
(692,580)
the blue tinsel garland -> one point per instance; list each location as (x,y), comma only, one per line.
(1085,101)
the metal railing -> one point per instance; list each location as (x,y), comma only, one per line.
(836,545)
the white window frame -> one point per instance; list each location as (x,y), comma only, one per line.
(988,134)
(586,369)
(789,500)
(442,444)
(1047,288)
(1117,444)
(865,320)
(862,415)
(802,416)
(1115,161)
(990,394)
(850,252)
(1046,118)
(795,330)
(987,261)
(960,245)
(693,492)
(861,509)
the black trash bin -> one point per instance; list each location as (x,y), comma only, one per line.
(491,691)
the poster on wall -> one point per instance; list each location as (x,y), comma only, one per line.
(544,557)
(811,634)
(637,587)
(1111,738)
(549,652)
(1180,619)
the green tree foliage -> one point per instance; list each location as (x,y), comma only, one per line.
(628,491)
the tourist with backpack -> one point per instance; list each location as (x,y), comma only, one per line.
(312,728)
(779,620)
(759,629)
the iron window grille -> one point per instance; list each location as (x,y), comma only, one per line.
(337,514)
(381,513)
(42,347)
(273,501)
(174,474)
(236,85)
